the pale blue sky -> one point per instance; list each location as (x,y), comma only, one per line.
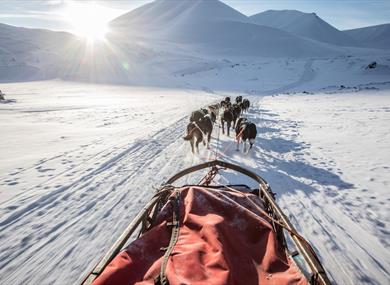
(343,14)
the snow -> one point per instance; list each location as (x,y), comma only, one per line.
(335,177)
(31,54)
(374,36)
(89,160)
(150,45)
(166,14)
(79,160)
(308,25)
(213,27)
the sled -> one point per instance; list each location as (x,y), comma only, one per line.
(207,233)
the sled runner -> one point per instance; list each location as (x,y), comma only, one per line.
(208,233)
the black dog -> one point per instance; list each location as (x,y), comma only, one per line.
(196,116)
(198,131)
(206,125)
(227,116)
(246,103)
(236,114)
(245,130)
(214,111)
(213,116)
(238,99)
(226,104)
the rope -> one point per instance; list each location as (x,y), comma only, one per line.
(217,148)
(209,177)
(197,126)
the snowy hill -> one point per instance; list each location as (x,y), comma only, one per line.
(308,25)
(36,54)
(30,54)
(374,36)
(212,24)
(166,14)
(180,43)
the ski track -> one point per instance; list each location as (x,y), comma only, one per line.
(308,75)
(80,220)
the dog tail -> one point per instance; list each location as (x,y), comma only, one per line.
(187,137)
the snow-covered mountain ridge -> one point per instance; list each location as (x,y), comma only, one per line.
(308,25)
(154,43)
(375,36)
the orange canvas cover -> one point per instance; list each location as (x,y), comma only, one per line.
(223,239)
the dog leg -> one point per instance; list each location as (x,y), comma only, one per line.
(192,145)
(251,142)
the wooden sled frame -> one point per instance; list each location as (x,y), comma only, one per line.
(280,222)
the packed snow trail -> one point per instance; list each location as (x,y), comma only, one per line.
(344,221)
(57,228)
(308,74)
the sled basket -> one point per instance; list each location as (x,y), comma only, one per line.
(207,233)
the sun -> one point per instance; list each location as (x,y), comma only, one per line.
(88,20)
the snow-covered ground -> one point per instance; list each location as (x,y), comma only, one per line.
(77,161)
(328,157)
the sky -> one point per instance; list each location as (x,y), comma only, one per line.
(53,14)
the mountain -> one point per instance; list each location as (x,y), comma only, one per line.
(373,36)
(307,25)
(163,15)
(38,54)
(214,27)
(27,54)
(147,42)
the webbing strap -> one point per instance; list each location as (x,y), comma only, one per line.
(174,199)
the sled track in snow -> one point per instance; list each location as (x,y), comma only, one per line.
(108,195)
(56,234)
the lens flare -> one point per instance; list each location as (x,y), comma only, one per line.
(88,20)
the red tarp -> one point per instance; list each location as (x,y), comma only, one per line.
(223,239)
